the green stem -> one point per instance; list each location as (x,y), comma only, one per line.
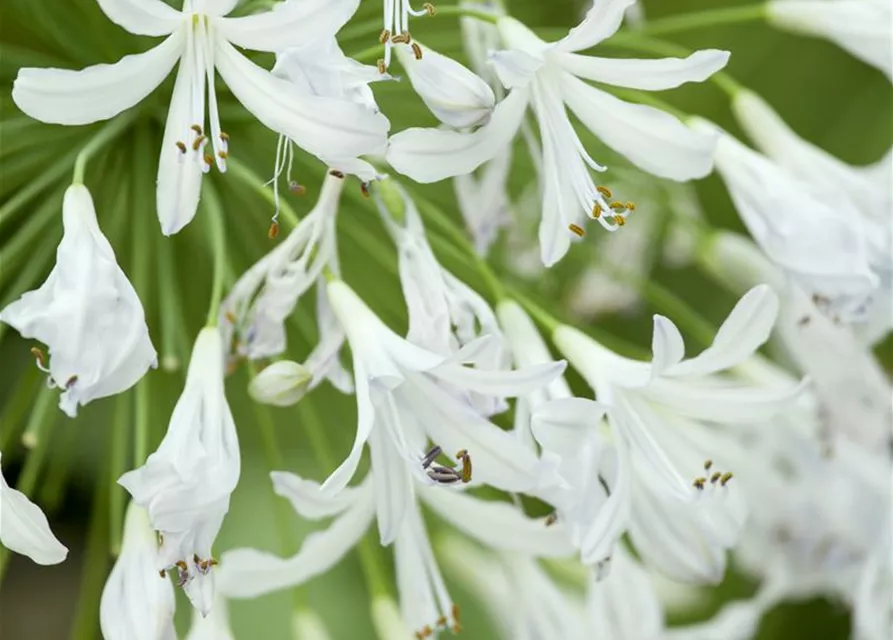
(214,217)
(141,423)
(702,19)
(20,400)
(174,345)
(103,137)
(52,489)
(117,466)
(466,12)
(35,436)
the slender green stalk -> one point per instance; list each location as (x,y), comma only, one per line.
(23,242)
(105,135)
(174,344)
(217,235)
(117,466)
(369,54)
(20,400)
(141,422)
(36,436)
(465,12)
(254,182)
(704,19)
(52,489)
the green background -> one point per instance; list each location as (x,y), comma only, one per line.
(827,96)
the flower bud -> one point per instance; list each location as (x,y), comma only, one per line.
(281,384)
(454,94)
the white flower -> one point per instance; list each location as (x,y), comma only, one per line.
(86,312)
(202,39)
(822,243)
(862,27)
(479,38)
(24,528)
(456,96)
(215,625)
(625,604)
(281,384)
(185,485)
(548,76)
(867,190)
(252,317)
(137,603)
(395,26)
(483,200)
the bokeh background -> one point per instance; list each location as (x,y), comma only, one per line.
(827,96)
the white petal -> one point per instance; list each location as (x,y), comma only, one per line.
(651,139)
(500,383)
(100,92)
(602,533)
(248,573)
(515,68)
(667,347)
(365,421)
(391,483)
(306,498)
(430,155)
(743,332)
(288,24)
(600,22)
(498,525)
(142,17)
(326,127)
(650,75)
(218,7)
(561,425)
(24,528)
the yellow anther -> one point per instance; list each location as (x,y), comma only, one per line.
(707,464)
(274,230)
(699,483)
(631,206)
(400,38)
(619,219)
(209,159)
(725,478)
(223,155)
(430,8)
(382,67)
(605,192)
(577,229)
(38,354)
(181,146)
(596,211)
(197,128)
(224,136)
(384,36)
(716,476)
(416,51)
(197,143)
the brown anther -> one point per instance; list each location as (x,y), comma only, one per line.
(430,8)
(631,206)
(181,146)
(197,143)
(70,382)
(37,353)
(224,136)
(619,219)
(462,455)
(552,518)
(163,573)
(699,483)
(364,189)
(416,50)
(419,636)
(577,229)
(455,612)
(441,621)
(209,159)
(382,67)
(230,317)
(336,173)
(212,562)
(802,322)
(596,211)
(605,192)
(181,564)
(197,129)
(297,189)
(400,38)
(384,36)
(273,231)
(195,558)
(707,464)
(223,155)
(728,475)
(716,476)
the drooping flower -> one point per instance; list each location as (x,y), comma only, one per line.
(86,312)
(201,38)
(185,485)
(861,27)
(24,528)
(137,603)
(549,77)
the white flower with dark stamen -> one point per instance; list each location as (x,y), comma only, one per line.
(202,39)
(395,26)
(137,603)
(24,528)
(862,27)
(549,77)
(185,485)
(86,312)
(821,242)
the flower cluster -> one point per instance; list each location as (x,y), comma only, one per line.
(569,473)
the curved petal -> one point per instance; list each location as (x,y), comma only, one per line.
(288,24)
(611,520)
(24,528)
(365,422)
(743,332)
(326,127)
(561,425)
(392,483)
(430,155)
(100,92)
(667,346)
(601,22)
(142,17)
(498,525)
(500,383)
(306,498)
(650,75)
(651,139)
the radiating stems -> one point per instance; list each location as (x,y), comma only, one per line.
(217,235)
(703,19)
(141,422)
(118,465)
(52,489)
(28,235)
(256,184)
(142,232)
(105,135)
(36,436)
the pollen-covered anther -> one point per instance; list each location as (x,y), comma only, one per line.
(208,161)
(708,463)
(384,36)
(400,38)
(630,206)
(597,211)
(619,219)
(273,231)
(430,8)
(382,67)
(198,129)
(181,146)
(336,173)
(223,155)
(715,477)
(416,50)
(463,456)
(699,483)
(606,193)
(577,229)
(724,480)
(230,317)
(199,142)
(40,357)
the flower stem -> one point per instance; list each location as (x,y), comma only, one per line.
(36,438)
(141,422)
(466,12)
(174,345)
(117,466)
(103,137)
(214,217)
(15,408)
(701,19)
(255,183)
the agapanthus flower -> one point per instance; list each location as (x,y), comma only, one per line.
(86,312)
(185,485)
(201,38)
(215,625)
(395,26)
(550,77)
(137,602)
(24,528)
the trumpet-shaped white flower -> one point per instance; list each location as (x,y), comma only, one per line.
(87,312)
(483,200)
(868,191)
(24,528)
(456,96)
(215,625)
(550,77)
(822,243)
(185,485)
(861,27)
(201,38)
(137,603)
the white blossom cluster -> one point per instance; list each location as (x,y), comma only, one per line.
(668,467)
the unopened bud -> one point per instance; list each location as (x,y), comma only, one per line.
(281,384)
